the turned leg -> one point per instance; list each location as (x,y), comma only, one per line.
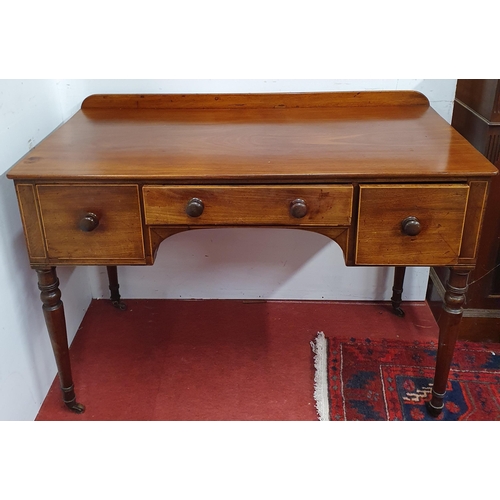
(114,287)
(397,291)
(449,321)
(53,310)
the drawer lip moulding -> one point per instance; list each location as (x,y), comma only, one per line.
(313,205)
(439,211)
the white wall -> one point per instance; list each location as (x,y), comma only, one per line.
(29,111)
(218,263)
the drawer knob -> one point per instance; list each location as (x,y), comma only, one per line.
(298,208)
(195,207)
(89,222)
(411,226)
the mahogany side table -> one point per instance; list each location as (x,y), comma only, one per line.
(380,173)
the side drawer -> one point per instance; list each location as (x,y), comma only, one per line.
(70,212)
(315,205)
(438,211)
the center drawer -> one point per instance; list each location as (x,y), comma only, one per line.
(314,205)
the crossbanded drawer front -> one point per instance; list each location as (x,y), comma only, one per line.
(329,205)
(410,224)
(92,222)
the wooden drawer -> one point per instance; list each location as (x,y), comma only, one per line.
(118,234)
(314,205)
(440,211)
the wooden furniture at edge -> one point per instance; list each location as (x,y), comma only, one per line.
(476,115)
(380,173)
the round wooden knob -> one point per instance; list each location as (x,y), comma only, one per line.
(195,207)
(298,208)
(89,222)
(411,226)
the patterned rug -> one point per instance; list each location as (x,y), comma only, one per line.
(392,380)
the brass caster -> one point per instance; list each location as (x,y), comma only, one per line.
(119,305)
(75,407)
(398,312)
(433,412)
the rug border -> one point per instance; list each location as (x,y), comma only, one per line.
(319,347)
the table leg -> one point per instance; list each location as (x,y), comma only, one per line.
(449,321)
(114,287)
(397,290)
(53,310)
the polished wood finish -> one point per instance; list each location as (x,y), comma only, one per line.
(397,290)
(476,116)
(380,173)
(481,96)
(257,145)
(114,288)
(195,207)
(257,205)
(88,222)
(117,236)
(299,208)
(411,226)
(449,321)
(440,209)
(476,206)
(53,311)
(477,325)
(31,222)
(256,101)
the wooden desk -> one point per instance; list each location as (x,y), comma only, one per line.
(380,173)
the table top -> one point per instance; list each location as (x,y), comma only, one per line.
(249,138)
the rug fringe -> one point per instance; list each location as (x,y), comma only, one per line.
(319,347)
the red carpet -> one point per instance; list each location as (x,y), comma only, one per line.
(391,380)
(213,359)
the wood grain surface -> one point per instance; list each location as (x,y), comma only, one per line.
(255,145)
(118,237)
(439,208)
(243,205)
(258,100)
(379,172)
